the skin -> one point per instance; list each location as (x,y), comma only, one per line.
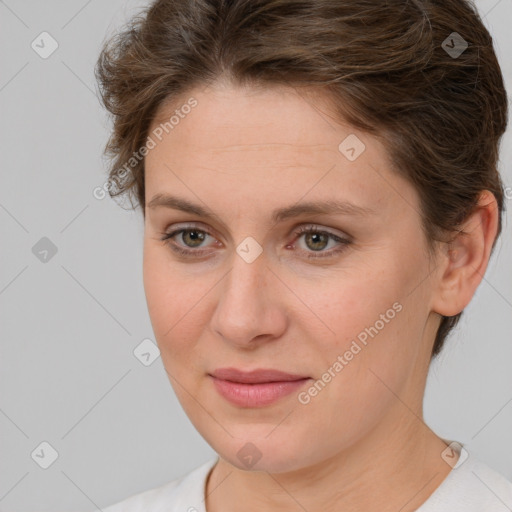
(361,443)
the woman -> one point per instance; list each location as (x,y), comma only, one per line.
(320,192)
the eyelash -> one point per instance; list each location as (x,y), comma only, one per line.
(166,238)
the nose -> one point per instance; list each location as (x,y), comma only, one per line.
(251,305)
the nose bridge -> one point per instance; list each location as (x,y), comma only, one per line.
(249,270)
(245,285)
(244,309)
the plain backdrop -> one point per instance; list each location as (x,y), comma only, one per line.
(70,324)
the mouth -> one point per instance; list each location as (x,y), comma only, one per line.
(256,388)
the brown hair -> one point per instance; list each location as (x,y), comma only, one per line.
(393,69)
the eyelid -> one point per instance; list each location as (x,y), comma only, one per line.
(310,226)
(191,225)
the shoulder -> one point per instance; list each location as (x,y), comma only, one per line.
(186,491)
(494,489)
(471,486)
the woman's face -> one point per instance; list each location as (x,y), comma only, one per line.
(348,308)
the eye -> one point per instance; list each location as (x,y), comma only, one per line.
(317,240)
(192,237)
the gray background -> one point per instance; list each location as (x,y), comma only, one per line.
(69,326)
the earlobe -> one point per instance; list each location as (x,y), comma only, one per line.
(466,257)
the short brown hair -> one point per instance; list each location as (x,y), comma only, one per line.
(387,66)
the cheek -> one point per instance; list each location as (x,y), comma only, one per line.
(369,355)
(165,295)
(372,319)
(175,305)
(173,308)
(347,304)
(157,289)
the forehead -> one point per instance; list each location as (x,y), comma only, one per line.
(228,118)
(268,142)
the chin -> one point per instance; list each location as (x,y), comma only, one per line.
(264,453)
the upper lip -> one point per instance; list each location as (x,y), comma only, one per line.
(255,376)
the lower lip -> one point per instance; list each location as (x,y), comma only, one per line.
(256,395)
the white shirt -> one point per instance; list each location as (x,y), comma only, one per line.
(471,486)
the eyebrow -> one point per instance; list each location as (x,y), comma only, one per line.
(324,207)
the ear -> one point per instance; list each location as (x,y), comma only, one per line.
(464,260)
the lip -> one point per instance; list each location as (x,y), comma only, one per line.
(256,388)
(257,376)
